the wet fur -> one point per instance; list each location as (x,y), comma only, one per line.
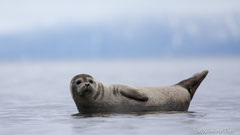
(123,98)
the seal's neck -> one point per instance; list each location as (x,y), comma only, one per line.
(99,92)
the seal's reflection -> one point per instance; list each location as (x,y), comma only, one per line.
(85,115)
(95,123)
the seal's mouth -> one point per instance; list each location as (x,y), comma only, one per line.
(84,90)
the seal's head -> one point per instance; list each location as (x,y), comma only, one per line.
(83,85)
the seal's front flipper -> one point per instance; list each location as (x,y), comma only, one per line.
(134,94)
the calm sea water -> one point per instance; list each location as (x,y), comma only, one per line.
(35,97)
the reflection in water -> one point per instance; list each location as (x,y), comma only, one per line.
(135,122)
(83,115)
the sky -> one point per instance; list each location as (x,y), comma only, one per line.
(42,29)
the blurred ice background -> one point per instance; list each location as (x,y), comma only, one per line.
(73,29)
(44,43)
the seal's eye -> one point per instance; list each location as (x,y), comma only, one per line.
(78,82)
(90,81)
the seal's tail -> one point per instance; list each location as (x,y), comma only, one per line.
(192,83)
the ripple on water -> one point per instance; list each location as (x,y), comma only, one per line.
(41,102)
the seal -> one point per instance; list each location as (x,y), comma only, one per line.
(91,96)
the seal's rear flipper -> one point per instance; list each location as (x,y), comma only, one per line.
(192,83)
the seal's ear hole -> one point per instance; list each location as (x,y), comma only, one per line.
(90,81)
(78,82)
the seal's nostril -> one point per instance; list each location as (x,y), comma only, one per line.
(87,84)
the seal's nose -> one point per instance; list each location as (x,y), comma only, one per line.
(87,84)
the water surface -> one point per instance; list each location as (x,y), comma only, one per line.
(35,97)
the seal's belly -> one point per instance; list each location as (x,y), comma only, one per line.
(160,99)
(134,108)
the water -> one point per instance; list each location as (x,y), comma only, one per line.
(35,97)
